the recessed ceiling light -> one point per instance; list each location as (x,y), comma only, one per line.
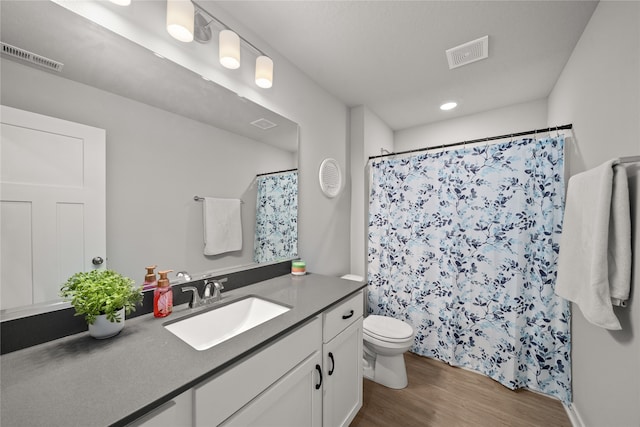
(448,106)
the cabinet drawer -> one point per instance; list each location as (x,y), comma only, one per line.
(336,319)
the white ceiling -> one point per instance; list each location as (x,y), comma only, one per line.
(390,55)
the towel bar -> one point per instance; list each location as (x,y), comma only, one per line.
(630,159)
(199,199)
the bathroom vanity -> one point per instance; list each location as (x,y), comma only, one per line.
(303,367)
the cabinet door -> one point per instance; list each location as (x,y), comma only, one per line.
(293,401)
(343,377)
(174,413)
(222,396)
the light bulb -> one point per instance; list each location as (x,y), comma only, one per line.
(448,106)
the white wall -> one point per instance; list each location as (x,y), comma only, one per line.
(599,92)
(369,134)
(156,162)
(323,223)
(515,118)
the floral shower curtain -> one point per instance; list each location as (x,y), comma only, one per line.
(463,246)
(276,235)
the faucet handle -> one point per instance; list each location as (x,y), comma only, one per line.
(183,275)
(207,290)
(217,283)
(195,300)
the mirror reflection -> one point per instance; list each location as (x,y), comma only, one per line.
(276,235)
(169,135)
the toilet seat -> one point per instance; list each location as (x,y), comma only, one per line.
(387,329)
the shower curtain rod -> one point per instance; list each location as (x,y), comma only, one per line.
(491,138)
(273,173)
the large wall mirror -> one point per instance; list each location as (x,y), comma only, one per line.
(170,135)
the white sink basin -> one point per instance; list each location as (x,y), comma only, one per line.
(204,330)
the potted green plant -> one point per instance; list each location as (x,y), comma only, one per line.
(102,297)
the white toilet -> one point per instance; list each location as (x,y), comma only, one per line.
(385,341)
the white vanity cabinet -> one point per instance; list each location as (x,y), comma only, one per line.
(310,377)
(342,362)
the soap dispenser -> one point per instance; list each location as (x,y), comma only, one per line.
(163,296)
(150,280)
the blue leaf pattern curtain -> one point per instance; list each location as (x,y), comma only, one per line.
(276,235)
(463,246)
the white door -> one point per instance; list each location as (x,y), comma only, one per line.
(52,204)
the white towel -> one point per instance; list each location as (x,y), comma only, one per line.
(594,266)
(222,225)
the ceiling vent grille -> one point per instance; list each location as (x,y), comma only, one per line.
(469,52)
(33,58)
(263,124)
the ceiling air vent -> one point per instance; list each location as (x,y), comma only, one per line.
(263,124)
(33,58)
(469,52)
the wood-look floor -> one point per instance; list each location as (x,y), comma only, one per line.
(440,395)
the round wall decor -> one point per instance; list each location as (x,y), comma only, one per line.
(330,177)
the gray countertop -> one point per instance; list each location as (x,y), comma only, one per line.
(80,381)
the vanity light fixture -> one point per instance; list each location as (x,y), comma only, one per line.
(187,21)
(448,106)
(229,49)
(180,19)
(264,72)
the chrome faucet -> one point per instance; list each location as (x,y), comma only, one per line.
(207,298)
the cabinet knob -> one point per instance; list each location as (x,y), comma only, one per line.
(97,261)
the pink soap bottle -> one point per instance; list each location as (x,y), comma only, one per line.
(163,296)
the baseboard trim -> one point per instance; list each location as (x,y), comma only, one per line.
(574,415)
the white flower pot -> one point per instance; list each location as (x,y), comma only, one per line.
(102,328)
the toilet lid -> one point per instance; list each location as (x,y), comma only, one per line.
(386,328)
